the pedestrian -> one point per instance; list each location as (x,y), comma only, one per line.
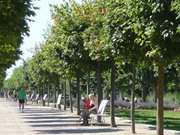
(22,97)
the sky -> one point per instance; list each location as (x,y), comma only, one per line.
(41,22)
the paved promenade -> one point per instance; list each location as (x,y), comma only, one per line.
(38,120)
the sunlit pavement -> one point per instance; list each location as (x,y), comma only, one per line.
(37,120)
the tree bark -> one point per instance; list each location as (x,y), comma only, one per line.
(113,123)
(177,83)
(78,92)
(59,86)
(88,83)
(160,89)
(155,89)
(38,92)
(132,102)
(65,95)
(48,94)
(70,97)
(54,96)
(144,87)
(99,87)
(43,101)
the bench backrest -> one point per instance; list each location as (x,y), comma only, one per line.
(59,99)
(45,97)
(37,97)
(102,106)
(32,96)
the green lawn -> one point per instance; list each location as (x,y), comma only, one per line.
(171,119)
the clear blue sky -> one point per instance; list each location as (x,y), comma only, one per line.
(37,29)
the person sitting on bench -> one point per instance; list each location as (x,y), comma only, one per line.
(90,106)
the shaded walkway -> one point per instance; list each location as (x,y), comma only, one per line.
(45,120)
(38,120)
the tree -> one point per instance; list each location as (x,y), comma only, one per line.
(17,79)
(67,34)
(122,38)
(15,16)
(156,24)
(96,43)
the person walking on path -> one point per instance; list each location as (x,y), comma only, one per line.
(22,97)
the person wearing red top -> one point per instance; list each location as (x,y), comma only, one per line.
(86,104)
(89,106)
(85,111)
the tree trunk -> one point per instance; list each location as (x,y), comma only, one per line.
(48,94)
(65,95)
(165,83)
(78,93)
(99,87)
(144,80)
(113,124)
(132,102)
(59,87)
(43,101)
(177,83)
(155,89)
(88,83)
(38,92)
(143,96)
(54,96)
(160,88)
(70,97)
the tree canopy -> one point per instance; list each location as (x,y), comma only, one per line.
(15,16)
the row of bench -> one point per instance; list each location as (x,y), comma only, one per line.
(36,98)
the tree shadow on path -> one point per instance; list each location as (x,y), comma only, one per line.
(78,131)
(47,121)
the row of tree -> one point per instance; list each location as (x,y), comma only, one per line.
(103,39)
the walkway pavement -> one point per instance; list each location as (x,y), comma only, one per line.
(38,120)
